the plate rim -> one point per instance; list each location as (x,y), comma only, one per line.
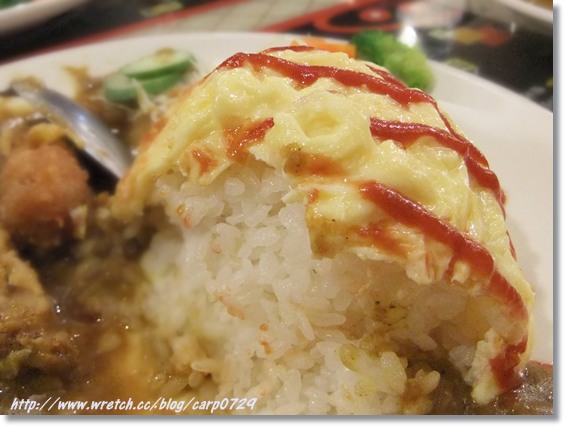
(444,68)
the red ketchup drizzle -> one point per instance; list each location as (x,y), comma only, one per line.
(205,161)
(407,133)
(380,236)
(385,84)
(504,363)
(387,76)
(239,139)
(465,249)
(394,204)
(306,75)
(296,48)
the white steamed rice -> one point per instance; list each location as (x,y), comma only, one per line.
(242,302)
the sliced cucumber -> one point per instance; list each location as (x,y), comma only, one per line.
(120,88)
(156,85)
(165,61)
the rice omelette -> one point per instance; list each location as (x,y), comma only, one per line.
(328,227)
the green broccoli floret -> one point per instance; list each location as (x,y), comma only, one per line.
(405,62)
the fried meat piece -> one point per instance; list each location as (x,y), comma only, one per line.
(43,194)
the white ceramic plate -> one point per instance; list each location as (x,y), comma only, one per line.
(515,134)
(25,15)
(530,10)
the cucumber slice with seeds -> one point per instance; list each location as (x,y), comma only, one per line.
(165,61)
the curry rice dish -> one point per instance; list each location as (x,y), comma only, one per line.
(298,228)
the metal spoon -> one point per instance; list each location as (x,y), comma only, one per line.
(89,132)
